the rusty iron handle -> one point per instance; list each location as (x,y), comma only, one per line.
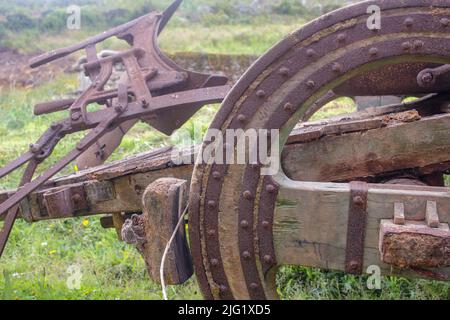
(53,106)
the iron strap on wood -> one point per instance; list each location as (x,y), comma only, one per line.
(356,231)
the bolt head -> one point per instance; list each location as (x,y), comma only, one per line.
(373,51)
(260,93)
(34,148)
(310,84)
(268,259)
(342,37)
(284,71)
(216,175)
(288,107)
(358,200)
(248,195)
(337,67)
(75,116)
(211,204)
(241,118)
(244,224)
(310,53)
(427,77)
(409,22)
(254,286)
(271,188)
(214,262)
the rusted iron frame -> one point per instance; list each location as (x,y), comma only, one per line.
(101,122)
(114,117)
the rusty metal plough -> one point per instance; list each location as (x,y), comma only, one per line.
(375,193)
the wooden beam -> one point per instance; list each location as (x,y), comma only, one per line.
(310,227)
(365,154)
(164,202)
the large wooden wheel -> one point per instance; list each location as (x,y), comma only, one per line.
(239,219)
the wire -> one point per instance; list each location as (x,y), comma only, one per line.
(166,251)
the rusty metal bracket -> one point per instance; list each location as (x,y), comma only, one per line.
(356,231)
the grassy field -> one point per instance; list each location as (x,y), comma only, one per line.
(38,256)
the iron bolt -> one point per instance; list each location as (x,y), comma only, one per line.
(248,195)
(214,262)
(254,286)
(427,77)
(144,103)
(270,188)
(246,254)
(119,108)
(288,107)
(409,22)
(75,116)
(216,175)
(265,224)
(373,51)
(358,200)
(244,224)
(268,259)
(310,84)
(211,232)
(353,266)
(223,288)
(342,37)
(241,118)
(260,93)
(211,204)
(34,148)
(445,22)
(284,71)
(337,67)
(310,53)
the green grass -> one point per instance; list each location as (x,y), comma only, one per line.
(38,256)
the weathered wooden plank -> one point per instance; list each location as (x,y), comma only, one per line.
(163,204)
(365,154)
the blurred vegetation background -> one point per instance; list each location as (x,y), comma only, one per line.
(28,25)
(38,256)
